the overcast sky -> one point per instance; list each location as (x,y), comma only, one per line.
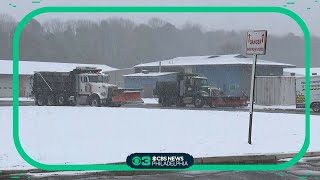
(276,24)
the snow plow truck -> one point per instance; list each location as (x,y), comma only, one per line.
(189,88)
(81,86)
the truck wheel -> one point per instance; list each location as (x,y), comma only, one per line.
(166,102)
(51,100)
(95,101)
(42,100)
(73,102)
(61,100)
(316,107)
(198,102)
(180,103)
(116,105)
(36,101)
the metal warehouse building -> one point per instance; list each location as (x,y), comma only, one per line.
(231,73)
(27,69)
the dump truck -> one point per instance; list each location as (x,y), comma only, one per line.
(190,88)
(314,93)
(81,86)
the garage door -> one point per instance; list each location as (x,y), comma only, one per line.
(5,86)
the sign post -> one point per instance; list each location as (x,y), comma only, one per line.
(256,45)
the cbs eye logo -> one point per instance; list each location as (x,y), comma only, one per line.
(144,161)
(136,161)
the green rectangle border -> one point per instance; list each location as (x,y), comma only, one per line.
(195,9)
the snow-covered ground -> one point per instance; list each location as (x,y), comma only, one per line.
(155,101)
(284,107)
(20,99)
(288,107)
(78,135)
(150,100)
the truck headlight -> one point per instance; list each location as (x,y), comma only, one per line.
(103,93)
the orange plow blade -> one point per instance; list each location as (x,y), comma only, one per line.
(128,97)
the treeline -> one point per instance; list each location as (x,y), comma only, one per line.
(123,43)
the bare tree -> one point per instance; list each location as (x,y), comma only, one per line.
(7,28)
(7,23)
(123,43)
(231,48)
(156,23)
(54,26)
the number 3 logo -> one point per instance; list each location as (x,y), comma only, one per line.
(146,160)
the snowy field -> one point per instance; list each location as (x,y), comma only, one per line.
(288,107)
(150,100)
(89,135)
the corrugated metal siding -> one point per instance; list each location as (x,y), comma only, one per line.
(138,82)
(245,80)
(275,90)
(28,86)
(167,77)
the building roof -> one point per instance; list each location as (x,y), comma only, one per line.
(29,67)
(150,74)
(300,71)
(233,59)
(124,69)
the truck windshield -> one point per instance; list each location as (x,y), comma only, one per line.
(96,79)
(200,81)
(105,79)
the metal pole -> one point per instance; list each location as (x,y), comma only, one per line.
(253,75)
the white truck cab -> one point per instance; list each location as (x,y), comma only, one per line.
(93,88)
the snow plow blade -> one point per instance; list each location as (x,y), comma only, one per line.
(127,96)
